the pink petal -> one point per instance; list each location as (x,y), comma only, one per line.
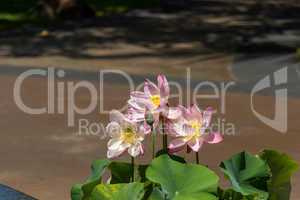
(195,108)
(137,103)
(207,115)
(163,86)
(136,118)
(145,129)
(195,145)
(196,112)
(128,123)
(115,152)
(172,113)
(176,145)
(136,115)
(113,129)
(187,129)
(116,116)
(141,103)
(213,138)
(156,119)
(172,127)
(179,128)
(135,150)
(185,112)
(164,101)
(150,88)
(114,143)
(142,150)
(138,94)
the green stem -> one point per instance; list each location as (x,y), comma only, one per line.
(197,157)
(132,167)
(165,141)
(164,136)
(153,142)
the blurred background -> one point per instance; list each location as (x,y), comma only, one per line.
(217,40)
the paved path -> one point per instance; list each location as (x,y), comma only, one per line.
(43,157)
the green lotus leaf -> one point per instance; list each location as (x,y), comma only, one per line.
(121,172)
(76,192)
(248,174)
(156,194)
(230,194)
(131,191)
(82,191)
(195,196)
(172,156)
(282,168)
(178,180)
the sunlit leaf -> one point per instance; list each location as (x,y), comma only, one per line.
(131,191)
(178,180)
(248,174)
(195,196)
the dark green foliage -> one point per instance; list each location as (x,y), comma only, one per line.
(253,177)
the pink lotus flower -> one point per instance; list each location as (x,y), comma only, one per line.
(125,135)
(191,130)
(154,101)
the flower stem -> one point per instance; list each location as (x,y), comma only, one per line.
(164,135)
(165,141)
(153,142)
(132,167)
(197,157)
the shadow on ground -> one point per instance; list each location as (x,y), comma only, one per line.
(205,27)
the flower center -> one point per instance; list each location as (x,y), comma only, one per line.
(196,125)
(155,99)
(129,136)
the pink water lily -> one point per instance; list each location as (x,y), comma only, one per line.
(153,100)
(191,130)
(125,134)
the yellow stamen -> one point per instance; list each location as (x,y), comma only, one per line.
(155,100)
(196,125)
(129,136)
